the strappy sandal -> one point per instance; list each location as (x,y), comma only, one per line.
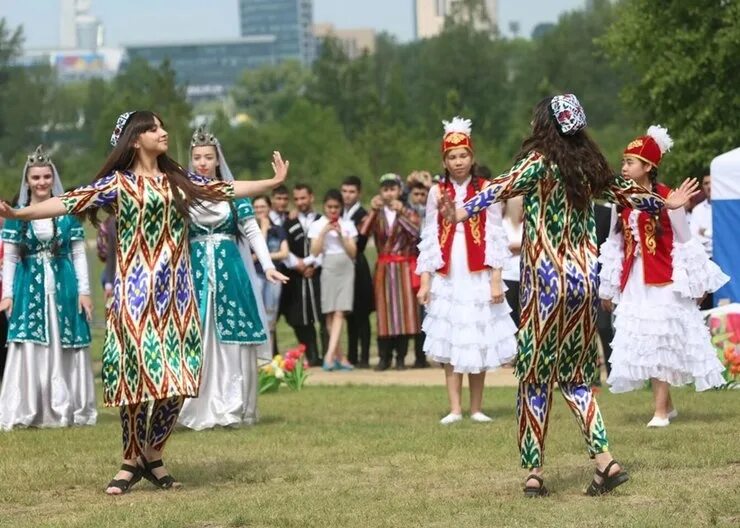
(608,482)
(125,485)
(535,491)
(165,482)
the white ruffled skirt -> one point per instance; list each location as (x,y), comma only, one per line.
(661,334)
(47,386)
(463,327)
(228,384)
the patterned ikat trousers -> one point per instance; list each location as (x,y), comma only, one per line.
(533,405)
(142,430)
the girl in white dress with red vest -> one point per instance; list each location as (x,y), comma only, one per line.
(657,274)
(468,327)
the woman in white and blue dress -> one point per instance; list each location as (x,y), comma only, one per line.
(48,379)
(235,332)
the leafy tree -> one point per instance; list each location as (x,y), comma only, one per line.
(681,57)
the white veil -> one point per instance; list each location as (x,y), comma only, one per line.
(264,351)
(38,158)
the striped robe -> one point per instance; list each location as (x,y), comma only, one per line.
(397,310)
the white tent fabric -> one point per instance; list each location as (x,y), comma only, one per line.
(725,172)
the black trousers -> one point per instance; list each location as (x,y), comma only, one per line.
(3,342)
(386,346)
(708,302)
(512,298)
(358,338)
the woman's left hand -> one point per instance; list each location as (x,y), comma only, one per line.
(86,307)
(280,168)
(275,277)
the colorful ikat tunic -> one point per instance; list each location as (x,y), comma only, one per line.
(559,272)
(152,344)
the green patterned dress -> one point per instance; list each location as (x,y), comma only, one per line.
(152,347)
(559,269)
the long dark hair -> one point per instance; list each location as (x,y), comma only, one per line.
(582,166)
(123,155)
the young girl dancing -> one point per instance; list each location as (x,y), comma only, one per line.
(657,274)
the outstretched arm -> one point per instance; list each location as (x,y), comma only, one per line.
(627,193)
(243,189)
(47,209)
(521,179)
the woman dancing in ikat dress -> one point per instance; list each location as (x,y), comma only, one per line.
(657,275)
(235,332)
(48,380)
(152,353)
(559,171)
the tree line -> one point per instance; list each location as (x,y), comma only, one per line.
(632,63)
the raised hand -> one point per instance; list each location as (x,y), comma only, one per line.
(681,196)
(280,168)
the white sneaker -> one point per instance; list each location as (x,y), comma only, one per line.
(480,417)
(451,419)
(659,422)
(673,414)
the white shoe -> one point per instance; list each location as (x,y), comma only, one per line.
(659,422)
(673,414)
(480,417)
(451,419)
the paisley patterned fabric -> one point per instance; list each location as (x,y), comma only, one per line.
(559,278)
(152,347)
(533,405)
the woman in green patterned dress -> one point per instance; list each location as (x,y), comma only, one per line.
(152,353)
(559,171)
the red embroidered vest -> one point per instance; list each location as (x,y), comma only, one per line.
(475,233)
(655,247)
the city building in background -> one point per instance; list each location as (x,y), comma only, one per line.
(81,53)
(354,42)
(289,21)
(208,69)
(429,16)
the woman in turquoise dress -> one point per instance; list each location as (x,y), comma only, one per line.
(235,334)
(559,172)
(48,379)
(152,353)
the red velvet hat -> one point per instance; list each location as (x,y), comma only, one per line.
(650,147)
(457,134)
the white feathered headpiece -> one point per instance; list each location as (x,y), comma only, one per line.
(661,137)
(458,134)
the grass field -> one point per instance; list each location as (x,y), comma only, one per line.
(371,456)
(375,456)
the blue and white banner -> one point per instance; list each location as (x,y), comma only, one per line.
(725,172)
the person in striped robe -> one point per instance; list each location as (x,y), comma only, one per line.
(395,229)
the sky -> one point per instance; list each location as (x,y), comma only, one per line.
(149,21)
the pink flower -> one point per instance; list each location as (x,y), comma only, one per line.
(732,326)
(290,364)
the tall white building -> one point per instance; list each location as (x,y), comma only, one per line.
(429,16)
(78,29)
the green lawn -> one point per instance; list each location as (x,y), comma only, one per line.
(375,456)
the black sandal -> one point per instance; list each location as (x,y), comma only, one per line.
(165,482)
(125,485)
(535,491)
(608,482)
